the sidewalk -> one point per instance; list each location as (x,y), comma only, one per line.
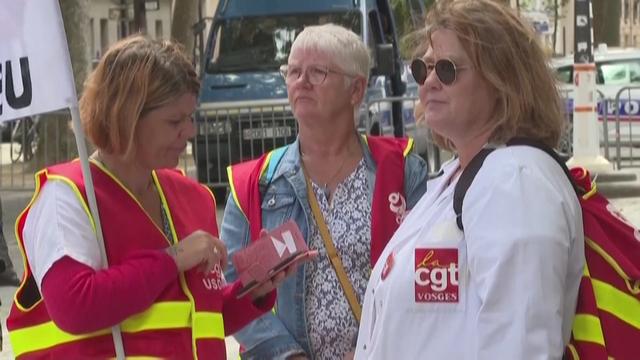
(14,201)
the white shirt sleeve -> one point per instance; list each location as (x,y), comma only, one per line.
(523,246)
(57,225)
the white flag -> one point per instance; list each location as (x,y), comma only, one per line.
(35,68)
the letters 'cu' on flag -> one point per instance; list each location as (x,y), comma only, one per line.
(35,69)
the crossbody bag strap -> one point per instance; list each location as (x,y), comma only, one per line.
(346,285)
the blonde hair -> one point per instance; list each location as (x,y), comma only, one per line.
(505,52)
(135,75)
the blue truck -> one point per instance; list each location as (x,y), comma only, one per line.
(243,109)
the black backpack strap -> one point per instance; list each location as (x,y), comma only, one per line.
(466,178)
(469,173)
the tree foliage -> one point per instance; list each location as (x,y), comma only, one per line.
(408,22)
(185,15)
(56,127)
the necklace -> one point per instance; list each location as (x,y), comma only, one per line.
(100,160)
(325,186)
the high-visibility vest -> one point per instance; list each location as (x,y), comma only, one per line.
(607,322)
(388,204)
(186,319)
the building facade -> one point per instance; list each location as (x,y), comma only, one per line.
(630,23)
(111,20)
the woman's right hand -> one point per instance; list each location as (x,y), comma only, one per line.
(199,248)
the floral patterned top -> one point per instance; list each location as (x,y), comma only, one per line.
(332,327)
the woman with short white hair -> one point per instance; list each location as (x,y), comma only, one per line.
(328,178)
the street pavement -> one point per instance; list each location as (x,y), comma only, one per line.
(13,203)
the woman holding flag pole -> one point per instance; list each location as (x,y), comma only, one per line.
(164,286)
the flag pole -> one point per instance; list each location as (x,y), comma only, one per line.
(33,32)
(72,103)
(93,207)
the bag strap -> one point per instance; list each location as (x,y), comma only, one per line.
(469,173)
(333,253)
(466,178)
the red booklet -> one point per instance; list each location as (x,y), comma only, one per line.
(270,254)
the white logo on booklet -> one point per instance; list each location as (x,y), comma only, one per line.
(398,206)
(288,244)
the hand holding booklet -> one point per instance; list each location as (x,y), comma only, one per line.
(272,253)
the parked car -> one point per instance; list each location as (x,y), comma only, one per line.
(615,69)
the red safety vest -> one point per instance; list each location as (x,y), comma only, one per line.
(607,322)
(388,204)
(186,319)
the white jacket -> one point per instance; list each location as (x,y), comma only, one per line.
(506,288)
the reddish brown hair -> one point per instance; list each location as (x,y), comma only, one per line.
(135,76)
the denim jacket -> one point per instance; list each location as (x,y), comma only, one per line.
(284,333)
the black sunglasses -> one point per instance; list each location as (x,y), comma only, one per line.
(446,70)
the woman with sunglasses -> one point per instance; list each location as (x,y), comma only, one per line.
(504,287)
(329,176)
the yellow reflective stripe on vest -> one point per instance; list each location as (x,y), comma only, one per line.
(44,336)
(588,328)
(408,148)
(234,193)
(162,315)
(623,306)
(207,325)
(634,287)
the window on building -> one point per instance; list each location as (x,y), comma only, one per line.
(104,36)
(92,39)
(159,30)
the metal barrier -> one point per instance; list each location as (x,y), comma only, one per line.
(31,143)
(626,136)
(623,135)
(565,147)
(226,134)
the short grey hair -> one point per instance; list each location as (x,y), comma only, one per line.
(341,44)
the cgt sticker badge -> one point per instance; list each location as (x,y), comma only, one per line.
(436,276)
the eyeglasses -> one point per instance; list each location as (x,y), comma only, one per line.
(446,70)
(315,74)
